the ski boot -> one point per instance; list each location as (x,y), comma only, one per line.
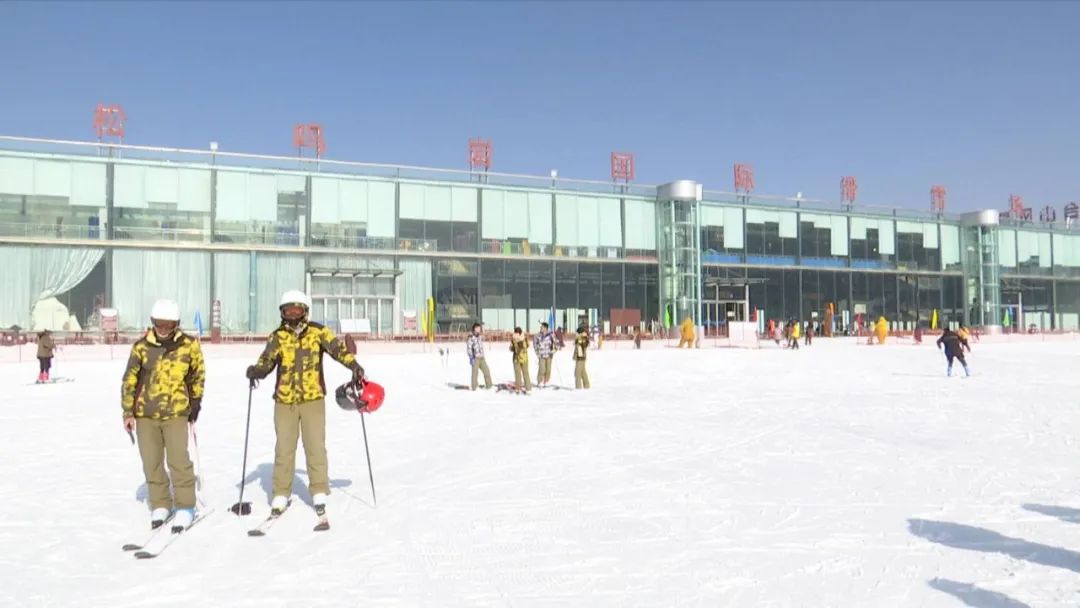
(278,505)
(319,501)
(182,520)
(158,517)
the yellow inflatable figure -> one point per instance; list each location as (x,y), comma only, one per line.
(882,330)
(687,335)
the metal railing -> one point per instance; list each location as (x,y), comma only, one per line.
(149,233)
(52,231)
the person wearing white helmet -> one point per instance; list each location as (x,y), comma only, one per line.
(161,393)
(296,349)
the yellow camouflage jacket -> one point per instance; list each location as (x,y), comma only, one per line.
(163,377)
(581,346)
(520,350)
(298,359)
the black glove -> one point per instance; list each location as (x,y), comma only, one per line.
(253,374)
(196,406)
(357,373)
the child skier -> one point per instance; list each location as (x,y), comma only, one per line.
(544,345)
(954,349)
(581,345)
(519,347)
(296,349)
(795,331)
(161,393)
(474,346)
(45,348)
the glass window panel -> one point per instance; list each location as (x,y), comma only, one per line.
(52,178)
(588,221)
(539,205)
(733,228)
(129,183)
(492,214)
(16,176)
(194,190)
(437,203)
(516,215)
(463,204)
(886,237)
(1007,248)
(380,209)
(950,247)
(324,200)
(411,205)
(610,217)
(88,185)
(566,220)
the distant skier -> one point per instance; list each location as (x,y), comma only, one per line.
(560,337)
(474,347)
(544,346)
(161,393)
(809,333)
(954,349)
(581,346)
(918,334)
(796,330)
(45,347)
(637,338)
(296,349)
(519,349)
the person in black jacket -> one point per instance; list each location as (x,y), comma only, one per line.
(954,349)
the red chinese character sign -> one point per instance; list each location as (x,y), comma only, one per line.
(848,189)
(622,166)
(744,178)
(309,136)
(109,121)
(479,154)
(1016,205)
(937,199)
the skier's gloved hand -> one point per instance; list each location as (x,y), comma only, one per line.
(357,373)
(196,406)
(252,373)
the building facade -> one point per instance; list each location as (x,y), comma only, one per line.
(98,225)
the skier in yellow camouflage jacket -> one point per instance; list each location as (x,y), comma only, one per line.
(519,346)
(296,349)
(161,393)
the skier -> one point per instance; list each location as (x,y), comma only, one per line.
(954,349)
(161,393)
(45,348)
(519,347)
(581,344)
(296,349)
(809,333)
(796,329)
(474,346)
(918,334)
(637,338)
(686,333)
(560,335)
(544,345)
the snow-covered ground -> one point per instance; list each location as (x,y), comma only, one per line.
(838,475)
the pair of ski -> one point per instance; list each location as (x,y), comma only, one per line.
(162,537)
(272,519)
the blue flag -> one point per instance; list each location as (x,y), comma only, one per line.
(198,322)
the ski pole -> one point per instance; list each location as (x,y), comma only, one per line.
(242,508)
(198,466)
(367,455)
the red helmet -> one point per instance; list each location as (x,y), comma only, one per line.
(365,396)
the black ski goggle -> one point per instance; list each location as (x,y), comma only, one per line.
(164,327)
(293,312)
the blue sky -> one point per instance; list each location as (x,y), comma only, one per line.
(981,97)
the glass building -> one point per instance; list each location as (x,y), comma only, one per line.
(99,225)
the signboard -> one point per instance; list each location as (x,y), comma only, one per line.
(409,317)
(110,319)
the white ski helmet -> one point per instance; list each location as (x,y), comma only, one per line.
(295,297)
(165,310)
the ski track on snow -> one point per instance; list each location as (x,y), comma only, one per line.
(831,476)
